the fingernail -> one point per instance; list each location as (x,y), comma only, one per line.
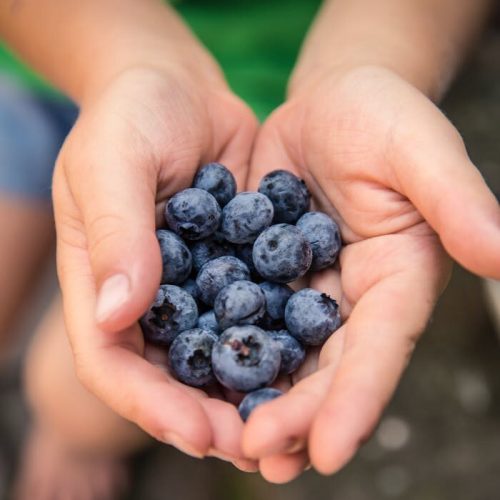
(113,294)
(246,465)
(212,452)
(179,443)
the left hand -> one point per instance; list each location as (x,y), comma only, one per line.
(393,172)
(135,144)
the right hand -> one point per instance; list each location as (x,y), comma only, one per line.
(384,161)
(133,146)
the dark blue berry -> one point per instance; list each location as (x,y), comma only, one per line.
(175,256)
(173,311)
(239,303)
(244,253)
(323,235)
(311,316)
(192,288)
(256,398)
(209,249)
(190,357)
(208,321)
(277,296)
(193,214)
(282,254)
(217,180)
(292,351)
(288,194)
(218,273)
(245,217)
(245,358)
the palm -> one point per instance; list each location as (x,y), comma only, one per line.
(343,140)
(128,153)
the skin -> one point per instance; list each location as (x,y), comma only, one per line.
(115,236)
(391,169)
(386,163)
(150,115)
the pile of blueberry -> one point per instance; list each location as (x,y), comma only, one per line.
(224,310)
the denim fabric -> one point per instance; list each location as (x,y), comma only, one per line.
(32,130)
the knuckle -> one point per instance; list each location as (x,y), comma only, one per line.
(70,231)
(104,230)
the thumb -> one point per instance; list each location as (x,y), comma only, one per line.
(436,174)
(115,199)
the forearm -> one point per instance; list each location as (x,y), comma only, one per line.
(80,45)
(422,40)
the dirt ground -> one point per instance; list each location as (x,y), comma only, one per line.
(439,438)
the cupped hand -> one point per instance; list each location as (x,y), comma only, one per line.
(392,170)
(134,145)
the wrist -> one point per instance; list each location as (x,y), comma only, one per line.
(421,42)
(109,40)
(184,62)
(424,77)
(81,46)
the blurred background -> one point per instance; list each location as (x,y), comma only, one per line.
(440,436)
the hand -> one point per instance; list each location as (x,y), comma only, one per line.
(134,145)
(389,167)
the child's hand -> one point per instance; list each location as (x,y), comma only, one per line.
(391,169)
(133,146)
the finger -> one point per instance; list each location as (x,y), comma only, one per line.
(380,335)
(269,154)
(269,430)
(432,168)
(227,427)
(145,396)
(282,469)
(111,366)
(113,189)
(224,418)
(246,465)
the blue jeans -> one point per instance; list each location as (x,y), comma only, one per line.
(32,130)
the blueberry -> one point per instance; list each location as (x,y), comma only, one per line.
(245,358)
(175,256)
(239,303)
(244,253)
(277,296)
(218,273)
(190,357)
(311,316)
(173,311)
(245,217)
(208,321)
(193,214)
(292,351)
(209,249)
(192,288)
(217,180)
(256,398)
(282,254)
(288,194)
(323,235)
